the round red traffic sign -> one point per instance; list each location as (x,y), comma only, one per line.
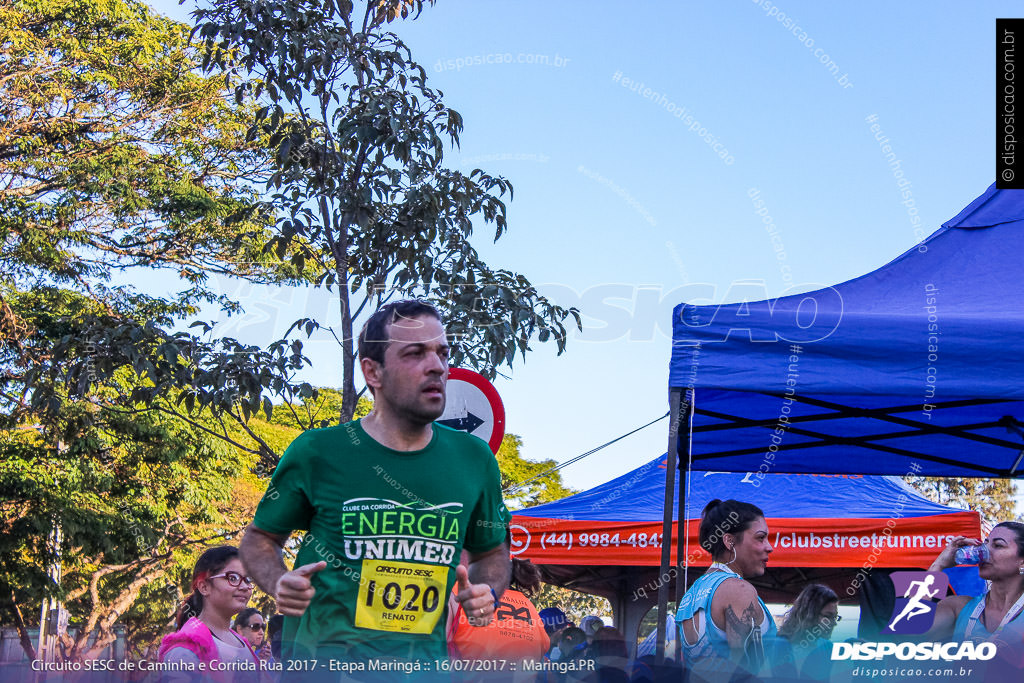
(472,405)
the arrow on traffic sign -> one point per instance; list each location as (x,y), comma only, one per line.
(467,424)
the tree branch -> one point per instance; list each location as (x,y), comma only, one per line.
(19,623)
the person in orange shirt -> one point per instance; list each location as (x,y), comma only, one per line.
(516,633)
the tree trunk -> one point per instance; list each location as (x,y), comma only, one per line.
(19,622)
(348,351)
(104,638)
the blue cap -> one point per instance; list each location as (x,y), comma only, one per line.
(591,625)
(553,618)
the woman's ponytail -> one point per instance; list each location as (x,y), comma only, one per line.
(192,607)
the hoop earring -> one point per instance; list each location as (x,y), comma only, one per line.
(733,549)
(1021,570)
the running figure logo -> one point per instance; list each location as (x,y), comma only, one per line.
(914,612)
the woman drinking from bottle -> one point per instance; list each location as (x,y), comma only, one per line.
(1000,560)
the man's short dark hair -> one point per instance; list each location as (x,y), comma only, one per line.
(376,333)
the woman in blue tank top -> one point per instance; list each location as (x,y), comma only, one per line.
(722,622)
(999,613)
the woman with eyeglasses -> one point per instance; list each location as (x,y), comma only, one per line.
(220,590)
(805,644)
(250,623)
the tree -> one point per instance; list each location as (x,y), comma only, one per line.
(115,153)
(992,498)
(399,223)
(115,494)
(321,410)
(527,482)
(360,192)
(127,496)
(575,604)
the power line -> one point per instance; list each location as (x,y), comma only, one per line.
(580,457)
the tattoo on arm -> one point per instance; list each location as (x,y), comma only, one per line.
(744,634)
(737,627)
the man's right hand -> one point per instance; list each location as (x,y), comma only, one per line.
(294,589)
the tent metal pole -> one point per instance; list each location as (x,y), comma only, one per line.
(674,400)
(680,539)
(685,413)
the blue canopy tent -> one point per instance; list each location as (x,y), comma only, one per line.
(915,368)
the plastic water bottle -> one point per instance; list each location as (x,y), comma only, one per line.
(972,554)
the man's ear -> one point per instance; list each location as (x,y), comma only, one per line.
(371,372)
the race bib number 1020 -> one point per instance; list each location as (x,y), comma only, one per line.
(400,596)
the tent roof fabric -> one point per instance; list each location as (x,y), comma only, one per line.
(915,368)
(639,495)
(814,521)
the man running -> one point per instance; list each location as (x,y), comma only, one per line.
(389,502)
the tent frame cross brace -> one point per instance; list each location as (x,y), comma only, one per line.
(883,414)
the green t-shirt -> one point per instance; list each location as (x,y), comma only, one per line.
(391,526)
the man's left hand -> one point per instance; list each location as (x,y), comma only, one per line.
(476,598)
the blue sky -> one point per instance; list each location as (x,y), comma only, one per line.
(624,207)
